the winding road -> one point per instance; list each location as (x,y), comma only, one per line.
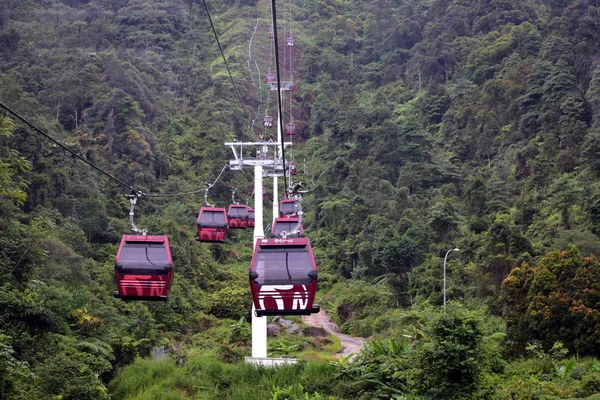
(351,344)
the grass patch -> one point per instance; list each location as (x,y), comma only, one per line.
(327,353)
(204,377)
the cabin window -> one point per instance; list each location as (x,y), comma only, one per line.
(283,266)
(288,208)
(144,256)
(213,218)
(283,227)
(238,212)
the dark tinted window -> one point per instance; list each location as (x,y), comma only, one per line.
(281,227)
(213,218)
(288,208)
(250,214)
(283,266)
(238,212)
(284,226)
(143,255)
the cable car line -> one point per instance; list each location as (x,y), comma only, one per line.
(250,60)
(290,128)
(209,185)
(135,191)
(64,147)
(227,65)
(280,107)
(171,194)
(226,166)
(250,52)
(275,289)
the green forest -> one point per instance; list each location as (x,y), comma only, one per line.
(423,126)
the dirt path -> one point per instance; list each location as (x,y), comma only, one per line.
(352,345)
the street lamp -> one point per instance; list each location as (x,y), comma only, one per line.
(445,258)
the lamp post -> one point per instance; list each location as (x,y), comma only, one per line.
(445,258)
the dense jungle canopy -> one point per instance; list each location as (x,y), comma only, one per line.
(422,126)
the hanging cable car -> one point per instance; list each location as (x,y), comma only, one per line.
(212,224)
(283,277)
(270,77)
(271,33)
(287,207)
(290,41)
(268,121)
(292,168)
(290,128)
(287,225)
(250,217)
(238,216)
(144,268)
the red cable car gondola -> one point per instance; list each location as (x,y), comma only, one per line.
(238,216)
(271,33)
(268,121)
(144,268)
(250,217)
(283,277)
(287,207)
(292,168)
(270,77)
(290,128)
(212,224)
(285,225)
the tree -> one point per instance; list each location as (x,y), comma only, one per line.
(452,362)
(13,373)
(556,300)
(12,166)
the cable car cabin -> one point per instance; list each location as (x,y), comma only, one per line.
(212,224)
(268,121)
(281,225)
(238,216)
(144,268)
(283,277)
(290,128)
(271,33)
(290,41)
(292,168)
(270,77)
(250,217)
(287,208)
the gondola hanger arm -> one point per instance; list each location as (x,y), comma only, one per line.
(133,197)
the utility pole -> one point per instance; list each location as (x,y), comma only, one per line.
(445,258)
(261,164)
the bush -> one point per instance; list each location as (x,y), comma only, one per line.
(452,363)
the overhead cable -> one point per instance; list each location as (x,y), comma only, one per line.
(94,166)
(74,154)
(280,107)
(227,65)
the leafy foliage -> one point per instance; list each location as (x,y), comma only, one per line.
(422,126)
(554,300)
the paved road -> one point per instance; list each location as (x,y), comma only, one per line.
(352,345)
